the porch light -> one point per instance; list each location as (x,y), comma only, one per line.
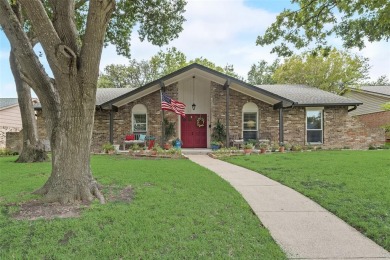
(193,106)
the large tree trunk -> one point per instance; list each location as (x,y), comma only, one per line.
(71,131)
(33,150)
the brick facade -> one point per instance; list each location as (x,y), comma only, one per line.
(340,130)
(375,119)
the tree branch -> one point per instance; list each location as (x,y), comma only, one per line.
(45,32)
(25,55)
(99,14)
(64,24)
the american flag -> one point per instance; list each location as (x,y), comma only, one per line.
(168,103)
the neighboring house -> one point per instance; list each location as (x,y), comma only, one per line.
(10,118)
(279,113)
(372,97)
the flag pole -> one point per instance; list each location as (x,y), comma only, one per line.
(162,121)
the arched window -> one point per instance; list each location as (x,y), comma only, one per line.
(250,121)
(139,119)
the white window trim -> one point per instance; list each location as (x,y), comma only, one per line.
(255,109)
(321,109)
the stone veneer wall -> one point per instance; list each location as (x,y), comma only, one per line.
(14,141)
(268,124)
(3,133)
(41,126)
(340,129)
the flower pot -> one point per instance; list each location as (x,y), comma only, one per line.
(263,150)
(215,147)
(167,146)
(247,151)
(281,149)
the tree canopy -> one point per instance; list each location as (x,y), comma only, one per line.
(380,81)
(334,72)
(262,72)
(314,21)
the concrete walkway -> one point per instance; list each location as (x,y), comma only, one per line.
(302,228)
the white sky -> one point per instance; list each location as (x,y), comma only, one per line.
(223,31)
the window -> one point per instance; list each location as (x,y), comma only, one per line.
(139,119)
(249,121)
(314,125)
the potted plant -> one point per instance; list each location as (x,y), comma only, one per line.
(169,131)
(219,133)
(248,147)
(108,148)
(263,147)
(274,147)
(296,148)
(177,143)
(215,145)
(281,147)
(155,149)
(287,146)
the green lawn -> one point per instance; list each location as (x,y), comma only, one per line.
(354,185)
(180,210)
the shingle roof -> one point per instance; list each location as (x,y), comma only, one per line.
(104,95)
(309,96)
(382,90)
(7,102)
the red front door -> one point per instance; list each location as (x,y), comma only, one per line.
(194,131)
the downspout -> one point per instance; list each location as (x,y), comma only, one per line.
(111,125)
(227,87)
(352,109)
(162,89)
(281,128)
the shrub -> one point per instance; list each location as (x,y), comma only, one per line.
(7,152)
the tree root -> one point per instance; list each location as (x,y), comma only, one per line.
(75,195)
(32,153)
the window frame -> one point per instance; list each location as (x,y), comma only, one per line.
(139,109)
(250,108)
(314,109)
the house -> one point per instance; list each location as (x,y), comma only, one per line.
(280,113)
(371,111)
(10,118)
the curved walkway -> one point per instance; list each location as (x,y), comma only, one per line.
(302,228)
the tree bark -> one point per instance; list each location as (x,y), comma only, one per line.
(32,150)
(71,178)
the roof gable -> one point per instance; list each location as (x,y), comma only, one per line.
(199,71)
(375,90)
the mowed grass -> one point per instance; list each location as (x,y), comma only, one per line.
(179,211)
(354,185)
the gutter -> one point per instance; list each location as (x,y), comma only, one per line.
(352,109)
